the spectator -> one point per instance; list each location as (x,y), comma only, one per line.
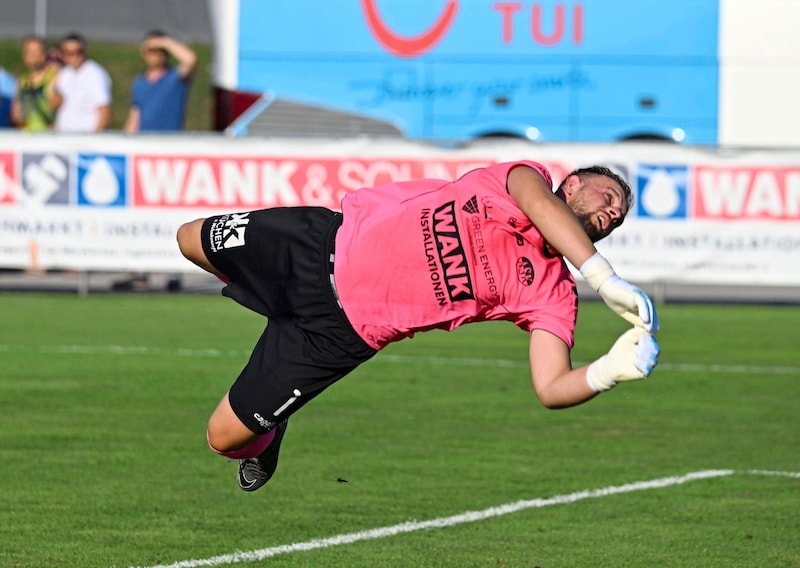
(35,104)
(159,96)
(7,88)
(85,88)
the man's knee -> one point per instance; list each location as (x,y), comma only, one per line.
(225,431)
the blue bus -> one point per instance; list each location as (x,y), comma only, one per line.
(453,71)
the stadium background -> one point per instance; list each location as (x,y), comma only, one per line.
(112,20)
(114,28)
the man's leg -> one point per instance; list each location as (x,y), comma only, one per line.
(226,434)
(257,453)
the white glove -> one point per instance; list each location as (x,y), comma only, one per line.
(628,301)
(633,356)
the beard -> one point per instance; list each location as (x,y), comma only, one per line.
(588,226)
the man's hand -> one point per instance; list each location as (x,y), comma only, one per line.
(628,301)
(633,356)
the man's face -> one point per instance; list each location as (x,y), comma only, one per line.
(72,53)
(599,203)
(34,55)
(153,58)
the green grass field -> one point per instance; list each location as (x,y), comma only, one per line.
(103,462)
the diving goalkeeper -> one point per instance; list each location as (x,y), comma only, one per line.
(408,257)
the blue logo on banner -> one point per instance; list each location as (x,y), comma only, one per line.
(663,191)
(45,178)
(101,180)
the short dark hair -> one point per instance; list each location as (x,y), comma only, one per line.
(75,36)
(627,193)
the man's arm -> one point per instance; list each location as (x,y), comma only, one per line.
(53,97)
(633,356)
(103,117)
(551,216)
(556,383)
(133,120)
(183,54)
(563,231)
(17,113)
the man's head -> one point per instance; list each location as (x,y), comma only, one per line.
(34,53)
(155,56)
(599,197)
(73,50)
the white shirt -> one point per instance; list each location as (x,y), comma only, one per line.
(84,90)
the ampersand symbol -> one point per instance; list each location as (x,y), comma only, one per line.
(315,191)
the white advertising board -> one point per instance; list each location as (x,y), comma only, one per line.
(114,202)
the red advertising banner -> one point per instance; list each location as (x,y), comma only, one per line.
(758,193)
(239,183)
(8,177)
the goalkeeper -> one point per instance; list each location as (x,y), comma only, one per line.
(408,257)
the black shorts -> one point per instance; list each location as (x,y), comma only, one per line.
(280,262)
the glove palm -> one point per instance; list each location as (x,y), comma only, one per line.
(633,356)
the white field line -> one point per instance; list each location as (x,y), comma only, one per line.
(468,517)
(381,357)
(794,474)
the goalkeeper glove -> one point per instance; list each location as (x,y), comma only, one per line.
(633,356)
(628,301)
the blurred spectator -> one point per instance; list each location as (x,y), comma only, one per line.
(35,104)
(158,100)
(85,88)
(8,86)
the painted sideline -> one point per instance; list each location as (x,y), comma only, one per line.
(468,517)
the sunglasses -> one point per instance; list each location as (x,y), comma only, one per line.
(72,52)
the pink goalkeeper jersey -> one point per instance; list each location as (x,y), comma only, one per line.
(433,254)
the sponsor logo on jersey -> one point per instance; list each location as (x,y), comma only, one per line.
(444,251)
(525,271)
(228,231)
(451,253)
(471,206)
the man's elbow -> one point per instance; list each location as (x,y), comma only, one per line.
(548,399)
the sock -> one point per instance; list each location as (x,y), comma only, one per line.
(251,450)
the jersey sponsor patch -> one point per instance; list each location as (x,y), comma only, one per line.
(525,271)
(471,206)
(228,231)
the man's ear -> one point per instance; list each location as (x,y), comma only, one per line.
(571,184)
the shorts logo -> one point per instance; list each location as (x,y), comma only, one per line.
(228,231)
(525,271)
(264,422)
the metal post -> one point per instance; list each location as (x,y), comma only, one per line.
(83,283)
(660,292)
(40,18)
